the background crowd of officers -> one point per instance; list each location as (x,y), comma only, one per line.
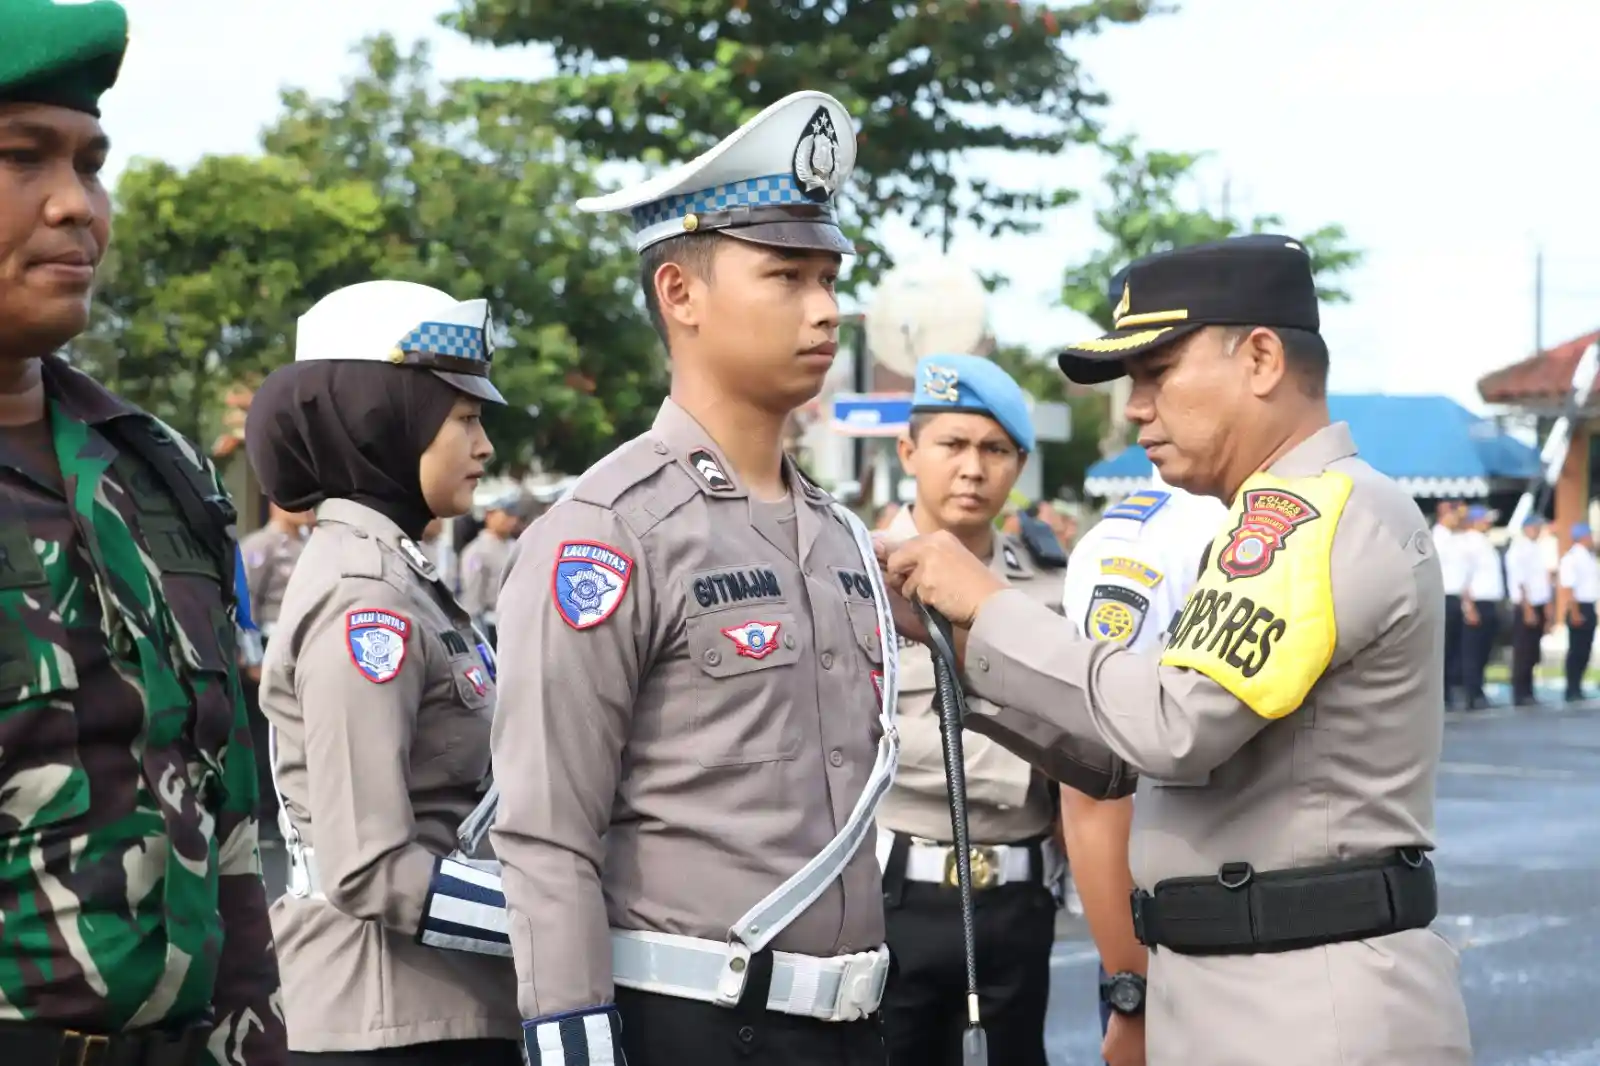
(1513,594)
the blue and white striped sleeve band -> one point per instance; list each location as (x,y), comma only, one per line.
(589,1037)
(465,909)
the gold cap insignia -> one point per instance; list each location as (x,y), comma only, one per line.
(941,384)
(1123,304)
(691,222)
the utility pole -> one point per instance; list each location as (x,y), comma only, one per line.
(1538,301)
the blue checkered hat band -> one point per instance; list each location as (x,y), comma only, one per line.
(774,189)
(446,338)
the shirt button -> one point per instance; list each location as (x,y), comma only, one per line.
(827,660)
(788,640)
(983,664)
(661,449)
(747,1034)
(713,657)
(836,757)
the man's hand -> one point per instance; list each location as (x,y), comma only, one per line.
(940,572)
(1124,1042)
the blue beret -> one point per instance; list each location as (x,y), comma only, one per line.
(973,384)
(66,55)
(1580,531)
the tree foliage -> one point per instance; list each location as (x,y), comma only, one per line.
(1147,207)
(663,80)
(396,178)
(208,271)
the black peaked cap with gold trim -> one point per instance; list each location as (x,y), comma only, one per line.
(1259,280)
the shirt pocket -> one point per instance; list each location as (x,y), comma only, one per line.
(744,700)
(40,760)
(452,738)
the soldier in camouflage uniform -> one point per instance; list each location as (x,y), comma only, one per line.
(134,929)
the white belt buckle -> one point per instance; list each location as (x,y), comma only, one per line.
(860,986)
(735,972)
(299,880)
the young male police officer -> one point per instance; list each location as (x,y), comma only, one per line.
(1288,737)
(689,741)
(970,434)
(1127,579)
(135,925)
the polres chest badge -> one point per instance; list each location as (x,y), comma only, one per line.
(754,640)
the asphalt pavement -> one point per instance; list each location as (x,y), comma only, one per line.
(1519,851)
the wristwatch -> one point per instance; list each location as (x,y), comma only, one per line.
(1123,993)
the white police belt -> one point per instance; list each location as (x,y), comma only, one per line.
(843,988)
(993,865)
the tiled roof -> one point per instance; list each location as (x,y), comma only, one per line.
(1540,378)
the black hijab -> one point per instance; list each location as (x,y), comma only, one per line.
(347,430)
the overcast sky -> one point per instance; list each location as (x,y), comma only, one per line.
(1451,138)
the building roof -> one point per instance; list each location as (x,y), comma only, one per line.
(1540,379)
(1432,445)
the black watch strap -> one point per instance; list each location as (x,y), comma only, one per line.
(1123,992)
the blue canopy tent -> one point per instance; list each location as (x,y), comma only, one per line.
(1432,445)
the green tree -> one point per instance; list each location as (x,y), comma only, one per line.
(927,82)
(208,271)
(477,201)
(1146,208)
(1147,204)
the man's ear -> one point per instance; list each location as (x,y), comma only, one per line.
(1268,365)
(907,450)
(676,291)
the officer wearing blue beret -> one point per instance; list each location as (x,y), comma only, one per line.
(970,435)
(135,920)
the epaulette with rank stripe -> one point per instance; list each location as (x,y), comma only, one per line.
(1140,506)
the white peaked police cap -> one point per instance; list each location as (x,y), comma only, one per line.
(772,182)
(405,324)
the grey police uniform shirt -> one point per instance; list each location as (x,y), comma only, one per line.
(382,709)
(269,556)
(672,747)
(1350,773)
(1008,801)
(482,568)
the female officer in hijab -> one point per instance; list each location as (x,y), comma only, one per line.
(378,690)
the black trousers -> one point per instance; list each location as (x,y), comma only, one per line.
(439,1053)
(1580,643)
(924,1006)
(1477,642)
(1454,643)
(666,1031)
(1525,637)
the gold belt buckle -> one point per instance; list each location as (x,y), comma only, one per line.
(92,1047)
(985,868)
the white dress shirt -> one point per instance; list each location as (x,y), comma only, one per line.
(1454,562)
(1485,580)
(1580,573)
(1527,573)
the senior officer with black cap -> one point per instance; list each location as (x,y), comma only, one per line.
(970,435)
(134,926)
(1288,735)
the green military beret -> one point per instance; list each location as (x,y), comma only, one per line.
(66,54)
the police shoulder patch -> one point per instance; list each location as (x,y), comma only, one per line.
(1116,614)
(377,642)
(1140,506)
(589,581)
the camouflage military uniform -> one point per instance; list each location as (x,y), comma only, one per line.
(130,879)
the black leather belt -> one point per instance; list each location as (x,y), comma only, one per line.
(1241,911)
(26,1044)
